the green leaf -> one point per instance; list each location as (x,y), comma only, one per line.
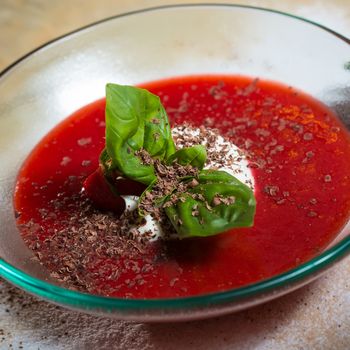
(195,156)
(135,120)
(202,211)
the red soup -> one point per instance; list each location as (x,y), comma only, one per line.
(300,157)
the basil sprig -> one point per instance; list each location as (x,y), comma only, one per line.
(216,204)
(135,121)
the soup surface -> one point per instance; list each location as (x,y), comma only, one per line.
(297,149)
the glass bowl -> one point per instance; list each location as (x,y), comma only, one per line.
(51,82)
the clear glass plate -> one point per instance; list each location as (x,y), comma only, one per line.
(51,82)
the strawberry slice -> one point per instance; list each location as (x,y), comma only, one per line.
(100,193)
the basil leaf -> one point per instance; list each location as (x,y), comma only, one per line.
(218,203)
(135,120)
(195,156)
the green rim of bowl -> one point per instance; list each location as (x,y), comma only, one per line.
(61,295)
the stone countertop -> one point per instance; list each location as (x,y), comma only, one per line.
(314,317)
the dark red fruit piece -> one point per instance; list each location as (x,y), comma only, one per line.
(100,193)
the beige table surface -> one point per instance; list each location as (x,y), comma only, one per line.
(315,317)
